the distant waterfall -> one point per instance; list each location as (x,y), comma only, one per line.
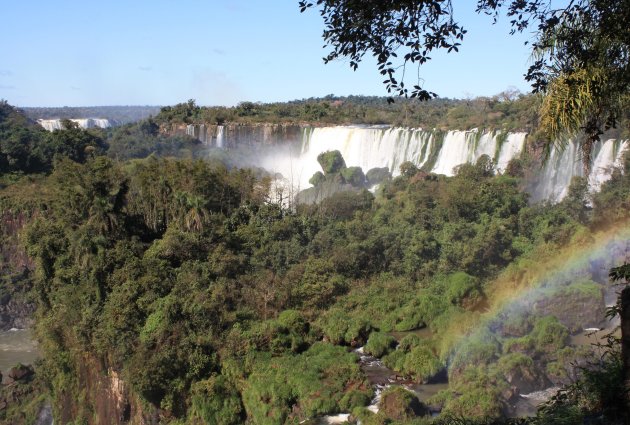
(432,151)
(441,152)
(56,124)
(561,166)
(220,130)
(460,147)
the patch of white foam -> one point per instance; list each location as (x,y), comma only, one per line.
(542,395)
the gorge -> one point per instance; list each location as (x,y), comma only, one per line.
(195,296)
(433,151)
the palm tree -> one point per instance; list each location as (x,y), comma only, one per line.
(193,207)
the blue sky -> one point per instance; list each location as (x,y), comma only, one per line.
(219,52)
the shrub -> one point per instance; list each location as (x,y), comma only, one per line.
(549,335)
(216,401)
(331,161)
(338,328)
(400,404)
(377,175)
(353,176)
(379,344)
(395,360)
(293,321)
(461,286)
(409,341)
(316,382)
(422,363)
(317,179)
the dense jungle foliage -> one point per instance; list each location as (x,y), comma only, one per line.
(508,110)
(219,306)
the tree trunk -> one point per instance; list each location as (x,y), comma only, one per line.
(625,343)
(587,150)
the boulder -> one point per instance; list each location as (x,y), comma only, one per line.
(331,161)
(317,179)
(353,176)
(375,176)
(21,372)
(577,306)
(400,404)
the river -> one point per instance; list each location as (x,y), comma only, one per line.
(16,346)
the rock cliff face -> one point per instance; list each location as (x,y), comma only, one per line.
(12,256)
(16,308)
(107,399)
(233,135)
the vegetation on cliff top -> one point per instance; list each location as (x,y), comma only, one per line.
(214,304)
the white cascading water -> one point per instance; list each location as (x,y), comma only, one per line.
(370,147)
(203,133)
(190,130)
(440,153)
(220,130)
(52,125)
(563,165)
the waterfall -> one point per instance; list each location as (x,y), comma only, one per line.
(441,152)
(203,134)
(55,124)
(190,130)
(366,147)
(220,130)
(562,165)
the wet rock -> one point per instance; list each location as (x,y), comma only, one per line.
(576,306)
(15,312)
(524,378)
(326,189)
(45,416)
(378,175)
(21,372)
(400,404)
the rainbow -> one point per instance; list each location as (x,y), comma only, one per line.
(530,277)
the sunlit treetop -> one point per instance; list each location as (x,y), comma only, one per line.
(581,50)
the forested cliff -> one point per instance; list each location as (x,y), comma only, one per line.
(177,291)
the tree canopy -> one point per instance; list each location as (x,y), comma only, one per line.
(581,50)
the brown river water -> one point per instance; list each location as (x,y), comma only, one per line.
(16,346)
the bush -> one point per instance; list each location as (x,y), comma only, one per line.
(409,341)
(479,349)
(353,176)
(395,360)
(216,401)
(516,324)
(375,176)
(316,382)
(317,179)
(422,363)
(462,288)
(549,335)
(476,403)
(379,344)
(400,404)
(339,328)
(331,162)
(353,399)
